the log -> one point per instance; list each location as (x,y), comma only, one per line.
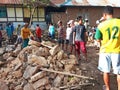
(76,86)
(66,73)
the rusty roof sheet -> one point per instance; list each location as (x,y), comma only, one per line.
(10,1)
(56,2)
(114,3)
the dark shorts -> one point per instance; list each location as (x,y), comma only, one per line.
(60,40)
(25,42)
(66,41)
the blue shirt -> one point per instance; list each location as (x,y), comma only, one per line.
(52,30)
(80,32)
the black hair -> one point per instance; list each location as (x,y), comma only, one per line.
(108,10)
(37,24)
(79,18)
(51,23)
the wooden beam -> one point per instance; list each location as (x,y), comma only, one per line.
(76,86)
(66,73)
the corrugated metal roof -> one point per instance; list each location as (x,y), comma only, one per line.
(114,3)
(56,2)
(10,1)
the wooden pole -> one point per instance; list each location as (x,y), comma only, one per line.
(66,73)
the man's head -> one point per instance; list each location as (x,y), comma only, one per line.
(108,11)
(37,25)
(26,25)
(79,19)
(59,23)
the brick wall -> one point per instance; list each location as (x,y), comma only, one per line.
(92,13)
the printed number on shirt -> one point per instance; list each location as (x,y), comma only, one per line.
(113,34)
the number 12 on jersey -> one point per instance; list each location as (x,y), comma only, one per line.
(114,33)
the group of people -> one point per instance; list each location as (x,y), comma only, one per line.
(23,34)
(26,34)
(74,38)
(107,35)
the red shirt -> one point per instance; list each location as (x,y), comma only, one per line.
(38,32)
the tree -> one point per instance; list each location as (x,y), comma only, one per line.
(34,4)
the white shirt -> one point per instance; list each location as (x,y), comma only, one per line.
(68,31)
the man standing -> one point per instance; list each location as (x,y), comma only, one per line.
(38,33)
(79,35)
(61,34)
(108,33)
(25,33)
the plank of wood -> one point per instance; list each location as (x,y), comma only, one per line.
(76,86)
(66,73)
(46,46)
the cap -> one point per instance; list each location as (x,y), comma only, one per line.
(101,19)
(59,22)
(70,21)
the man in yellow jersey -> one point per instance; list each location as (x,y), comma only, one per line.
(25,33)
(108,33)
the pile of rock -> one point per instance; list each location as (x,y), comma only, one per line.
(44,67)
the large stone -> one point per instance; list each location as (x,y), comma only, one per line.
(59,64)
(49,59)
(65,56)
(54,88)
(25,51)
(2,51)
(72,56)
(48,87)
(54,50)
(72,61)
(3,86)
(69,61)
(19,87)
(29,71)
(69,67)
(32,42)
(41,88)
(58,80)
(38,76)
(16,63)
(39,60)
(17,50)
(48,43)
(65,80)
(42,52)
(6,55)
(17,74)
(10,59)
(28,87)
(41,82)
(1,63)
(60,55)
(10,48)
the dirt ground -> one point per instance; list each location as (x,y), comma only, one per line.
(91,68)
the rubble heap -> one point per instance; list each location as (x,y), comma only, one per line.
(40,67)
